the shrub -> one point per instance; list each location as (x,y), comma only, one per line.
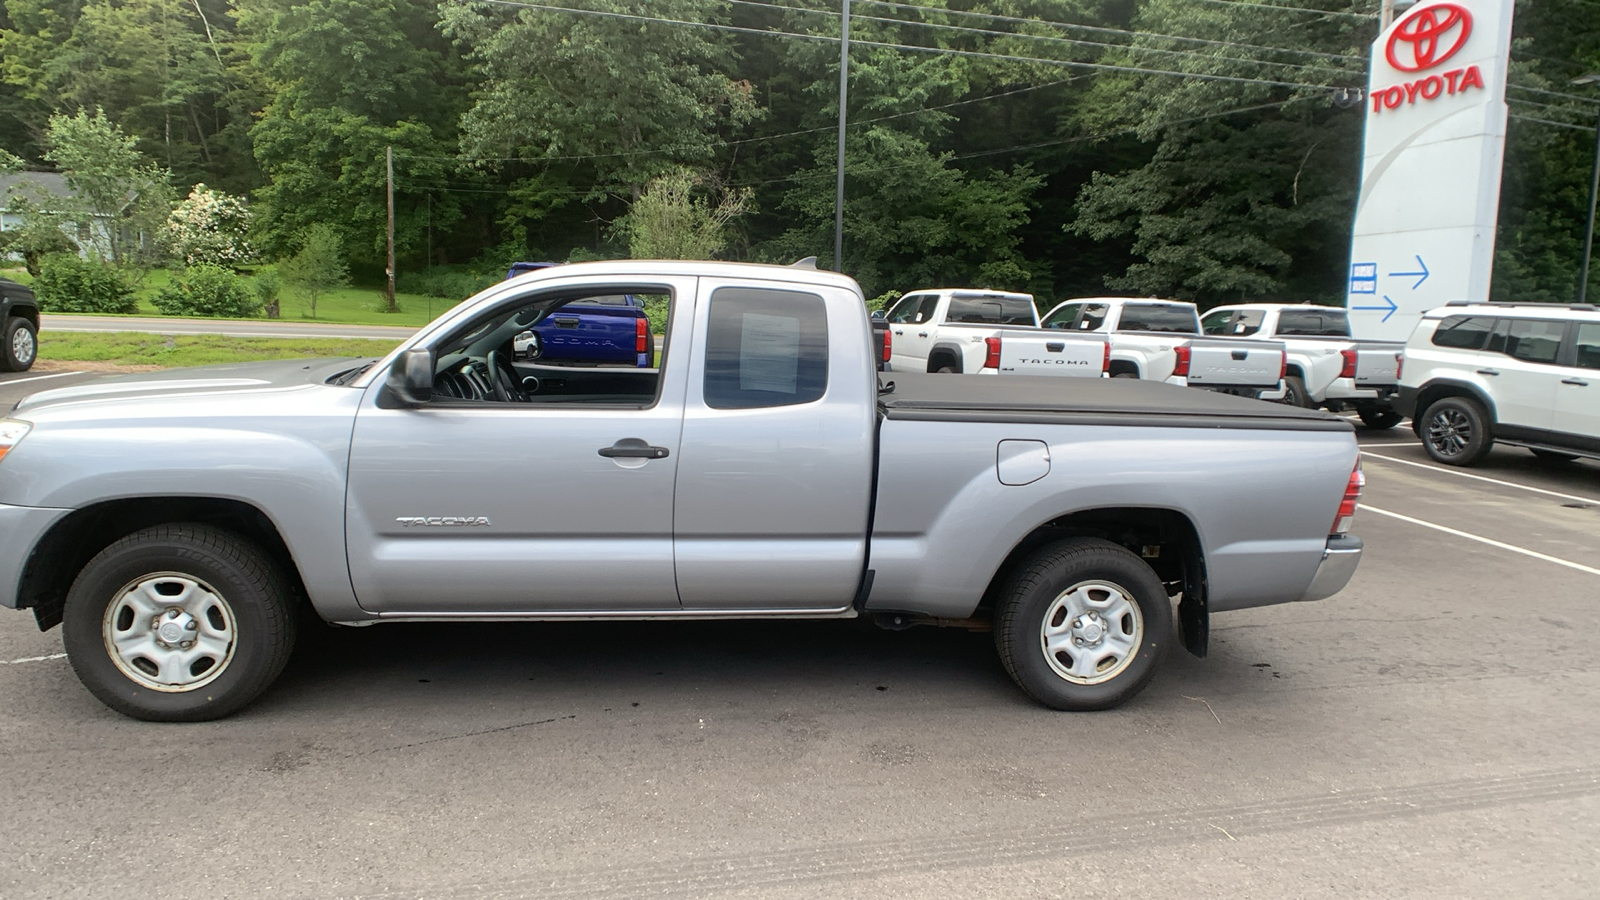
(68,283)
(267,286)
(209,227)
(207,290)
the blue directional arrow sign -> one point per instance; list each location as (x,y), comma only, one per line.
(1420,276)
(1388,309)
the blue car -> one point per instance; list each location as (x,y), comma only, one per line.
(589,330)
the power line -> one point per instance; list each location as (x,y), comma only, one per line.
(1555,106)
(753,140)
(1031,37)
(1303,9)
(915,48)
(1533,90)
(1569,127)
(1093,29)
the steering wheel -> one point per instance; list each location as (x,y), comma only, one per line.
(503,376)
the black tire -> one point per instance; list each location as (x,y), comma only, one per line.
(1379,418)
(1553,455)
(1456,431)
(943,365)
(1294,392)
(253,590)
(1043,582)
(19,345)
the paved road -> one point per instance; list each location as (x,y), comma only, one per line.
(229,327)
(1427,733)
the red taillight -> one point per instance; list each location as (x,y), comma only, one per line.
(1283,364)
(1105,361)
(1399,365)
(888,344)
(641,335)
(1352,498)
(1182,368)
(1349,370)
(991,360)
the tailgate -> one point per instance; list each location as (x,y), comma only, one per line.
(1045,353)
(1377,363)
(1235,363)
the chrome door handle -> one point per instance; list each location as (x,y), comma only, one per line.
(898,331)
(1488,372)
(1575,381)
(922,334)
(633,448)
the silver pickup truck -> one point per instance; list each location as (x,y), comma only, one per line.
(178,524)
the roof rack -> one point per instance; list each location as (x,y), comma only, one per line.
(1575,307)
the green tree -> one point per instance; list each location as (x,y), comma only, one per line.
(210,227)
(121,200)
(681,216)
(318,267)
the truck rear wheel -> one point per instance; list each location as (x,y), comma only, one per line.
(1294,392)
(1378,417)
(1082,625)
(178,623)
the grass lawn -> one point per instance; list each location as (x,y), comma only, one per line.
(126,348)
(350,306)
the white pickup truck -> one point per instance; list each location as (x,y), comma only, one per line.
(1327,367)
(981,332)
(1159,340)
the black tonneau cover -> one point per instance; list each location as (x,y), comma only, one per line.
(1096,401)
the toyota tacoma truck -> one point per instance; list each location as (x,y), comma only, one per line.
(179,525)
(980,332)
(1327,367)
(1159,340)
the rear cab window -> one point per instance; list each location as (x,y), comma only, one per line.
(1232,322)
(1463,332)
(991,311)
(1159,317)
(1313,323)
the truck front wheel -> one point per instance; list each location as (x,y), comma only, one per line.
(19,345)
(178,623)
(1082,625)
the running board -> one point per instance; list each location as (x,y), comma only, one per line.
(589,615)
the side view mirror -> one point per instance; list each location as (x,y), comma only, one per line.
(877,315)
(411,377)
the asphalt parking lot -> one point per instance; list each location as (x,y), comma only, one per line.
(1429,732)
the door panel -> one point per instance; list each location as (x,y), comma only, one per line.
(519,512)
(775,478)
(913,333)
(1519,367)
(1578,393)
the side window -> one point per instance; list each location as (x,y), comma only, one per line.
(930,305)
(765,348)
(906,311)
(1534,340)
(1588,346)
(1094,316)
(1463,332)
(1237,323)
(1064,317)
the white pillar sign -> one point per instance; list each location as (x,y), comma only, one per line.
(1430,176)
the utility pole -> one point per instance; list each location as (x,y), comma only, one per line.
(1385,15)
(844,97)
(1594,195)
(388,290)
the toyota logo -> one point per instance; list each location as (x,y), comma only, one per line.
(1432,34)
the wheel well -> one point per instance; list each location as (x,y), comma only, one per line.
(1165,539)
(1295,371)
(944,356)
(27,312)
(1431,394)
(1121,366)
(69,545)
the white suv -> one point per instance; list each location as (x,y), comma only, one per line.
(1527,375)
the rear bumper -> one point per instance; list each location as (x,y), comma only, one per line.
(1254,392)
(1405,403)
(1339,562)
(21,527)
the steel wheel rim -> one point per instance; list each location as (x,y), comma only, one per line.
(1449,432)
(169,632)
(1091,632)
(22,346)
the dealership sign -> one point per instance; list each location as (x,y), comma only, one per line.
(1431,158)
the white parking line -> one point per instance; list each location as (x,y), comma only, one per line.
(1511,484)
(12,662)
(37,377)
(1483,540)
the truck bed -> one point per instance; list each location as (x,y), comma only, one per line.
(1011,398)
